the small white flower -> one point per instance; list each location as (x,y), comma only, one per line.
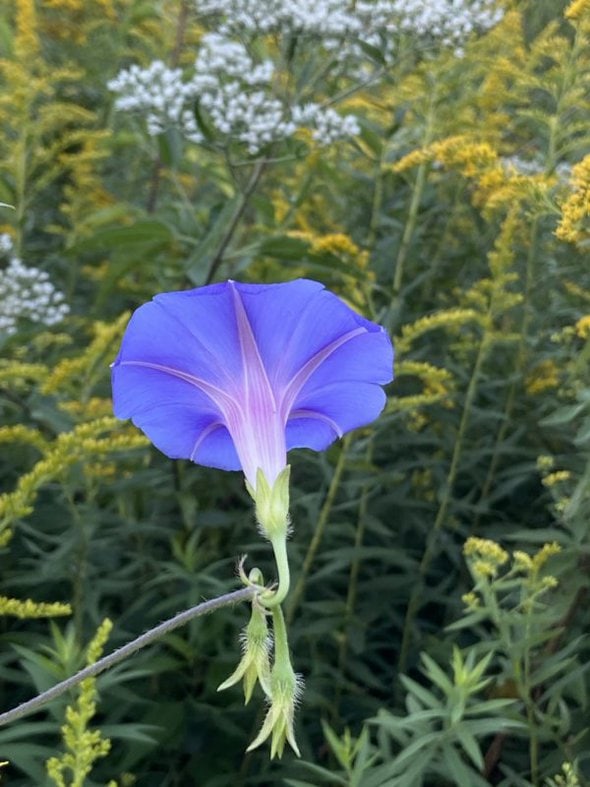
(27,294)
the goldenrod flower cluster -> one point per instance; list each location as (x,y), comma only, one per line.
(558,477)
(484,556)
(19,433)
(544,377)
(32,609)
(531,566)
(437,382)
(449,318)
(575,211)
(583,327)
(568,776)
(87,440)
(83,746)
(95,407)
(18,374)
(92,362)
(577,10)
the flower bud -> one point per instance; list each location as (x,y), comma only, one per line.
(254,665)
(285,689)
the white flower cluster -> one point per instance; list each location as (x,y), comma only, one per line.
(450,21)
(235,93)
(328,125)
(158,92)
(26,293)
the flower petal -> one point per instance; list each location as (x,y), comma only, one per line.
(177,417)
(366,357)
(328,412)
(208,315)
(158,333)
(274,311)
(294,321)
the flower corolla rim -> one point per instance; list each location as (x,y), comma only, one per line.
(234,375)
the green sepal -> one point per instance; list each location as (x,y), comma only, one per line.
(272,503)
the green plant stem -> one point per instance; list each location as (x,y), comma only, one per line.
(409,228)
(527,695)
(351,595)
(20,187)
(411,221)
(377,202)
(279,546)
(245,594)
(433,535)
(520,360)
(314,544)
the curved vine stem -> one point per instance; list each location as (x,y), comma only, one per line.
(245,594)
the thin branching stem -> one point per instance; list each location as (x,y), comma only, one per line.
(234,219)
(227,599)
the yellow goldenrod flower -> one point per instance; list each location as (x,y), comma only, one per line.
(575,211)
(577,9)
(544,377)
(32,609)
(558,477)
(471,601)
(522,561)
(485,548)
(83,746)
(543,555)
(449,318)
(583,327)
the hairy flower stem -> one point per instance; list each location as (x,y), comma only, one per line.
(315,542)
(433,535)
(227,599)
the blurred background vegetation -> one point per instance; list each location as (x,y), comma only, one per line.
(439,609)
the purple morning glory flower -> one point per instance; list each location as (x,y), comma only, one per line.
(234,375)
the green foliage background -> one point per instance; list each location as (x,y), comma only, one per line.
(424,663)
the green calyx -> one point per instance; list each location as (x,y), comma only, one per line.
(272,503)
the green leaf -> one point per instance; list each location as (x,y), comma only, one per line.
(284,247)
(564,415)
(145,234)
(469,745)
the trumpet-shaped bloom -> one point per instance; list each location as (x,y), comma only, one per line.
(234,375)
